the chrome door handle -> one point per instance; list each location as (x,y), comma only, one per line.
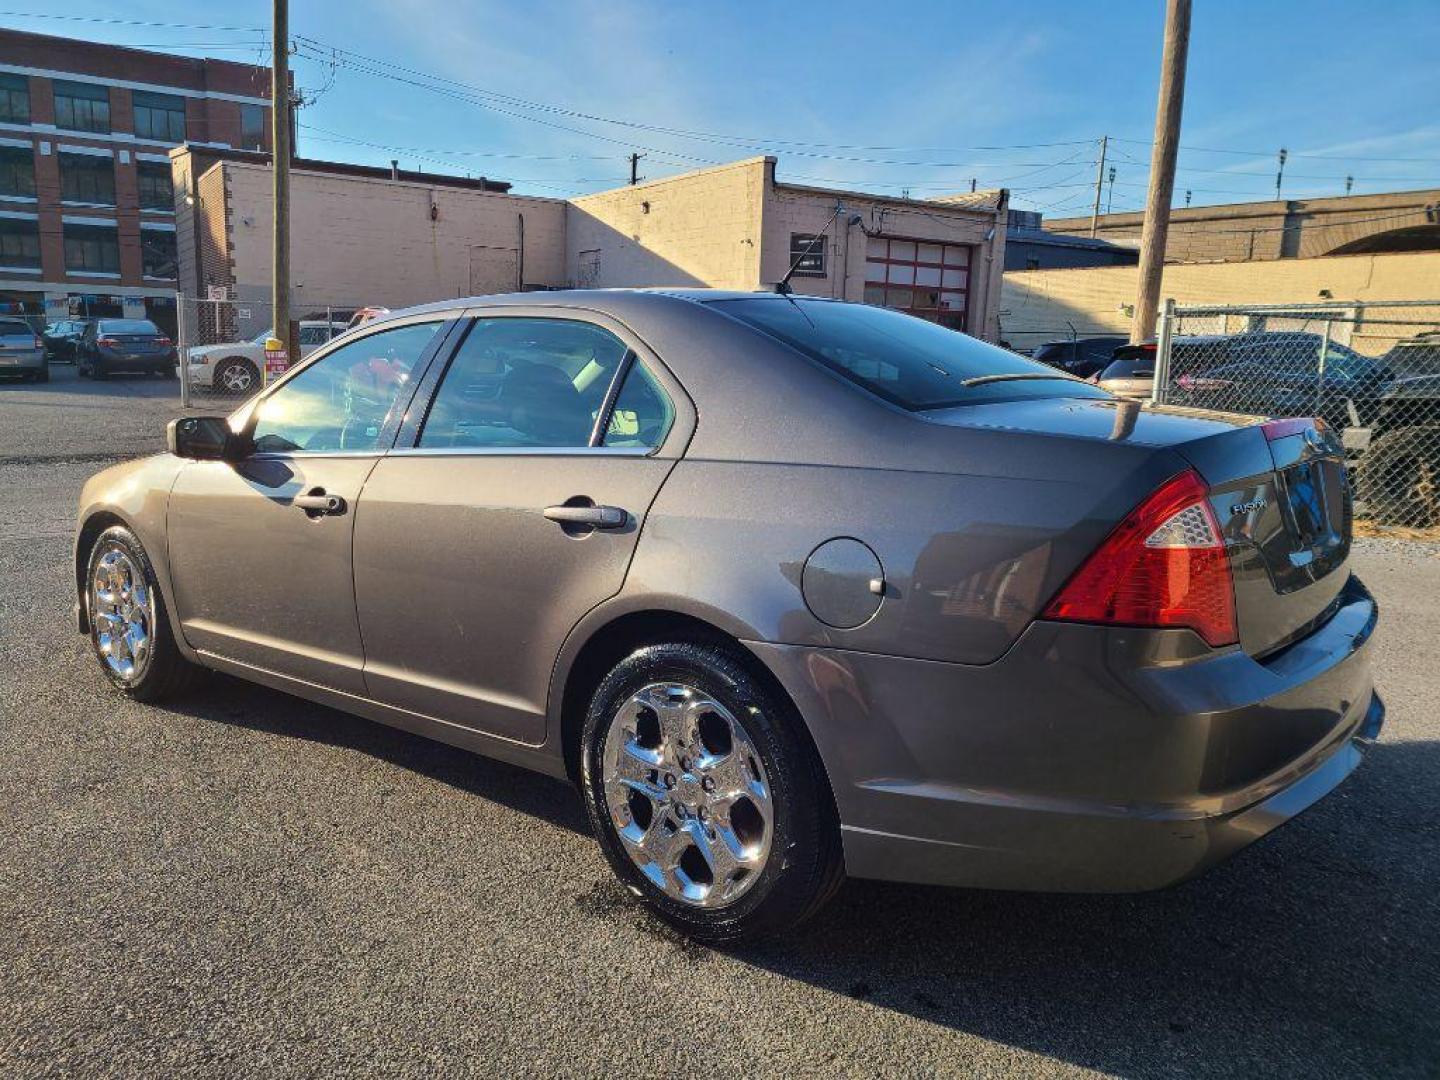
(593,517)
(317,502)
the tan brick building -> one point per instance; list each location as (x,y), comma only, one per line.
(1293,229)
(87,219)
(363,236)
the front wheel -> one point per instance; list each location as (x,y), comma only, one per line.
(129,630)
(236,377)
(708,800)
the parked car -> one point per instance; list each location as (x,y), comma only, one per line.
(235,367)
(62,340)
(1082,357)
(1131,374)
(109,346)
(791,588)
(1277,375)
(22,352)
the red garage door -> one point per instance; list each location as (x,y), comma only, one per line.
(924,279)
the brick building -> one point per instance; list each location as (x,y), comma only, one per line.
(1399,221)
(367,236)
(87,218)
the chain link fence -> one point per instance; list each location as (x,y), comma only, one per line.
(1371,371)
(221,343)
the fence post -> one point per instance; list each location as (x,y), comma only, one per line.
(1320,368)
(1166,331)
(182,352)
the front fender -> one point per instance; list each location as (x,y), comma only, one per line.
(135,494)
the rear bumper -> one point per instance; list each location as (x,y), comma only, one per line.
(1086,759)
(22,363)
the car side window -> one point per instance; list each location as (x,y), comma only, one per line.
(523,382)
(341,401)
(643,412)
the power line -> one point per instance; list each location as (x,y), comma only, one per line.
(1268,153)
(127,22)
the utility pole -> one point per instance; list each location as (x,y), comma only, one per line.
(1280,173)
(1099,185)
(634,169)
(1349,183)
(280,139)
(1187,196)
(1110,199)
(1162,167)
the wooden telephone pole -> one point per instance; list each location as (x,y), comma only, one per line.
(280,141)
(1099,184)
(1162,168)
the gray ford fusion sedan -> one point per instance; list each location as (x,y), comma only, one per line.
(791,588)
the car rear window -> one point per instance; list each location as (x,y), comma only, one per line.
(127,326)
(15,328)
(908,361)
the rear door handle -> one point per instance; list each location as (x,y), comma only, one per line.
(594,517)
(317,502)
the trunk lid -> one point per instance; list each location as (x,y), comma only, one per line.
(1278,489)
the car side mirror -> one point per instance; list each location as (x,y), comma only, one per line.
(200,438)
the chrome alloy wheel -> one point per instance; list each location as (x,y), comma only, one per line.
(236,378)
(687,794)
(122,611)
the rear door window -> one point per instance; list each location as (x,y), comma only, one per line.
(524,383)
(15,328)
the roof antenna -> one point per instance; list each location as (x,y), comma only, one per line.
(783,285)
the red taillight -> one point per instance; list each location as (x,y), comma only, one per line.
(163,342)
(39,343)
(1165,565)
(108,342)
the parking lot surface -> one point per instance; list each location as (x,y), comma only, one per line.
(246,884)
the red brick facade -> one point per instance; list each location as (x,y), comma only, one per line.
(215,94)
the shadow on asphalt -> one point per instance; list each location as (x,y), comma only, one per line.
(234,701)
(1309,953)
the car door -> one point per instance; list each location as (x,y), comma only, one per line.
(513,511)
(259,548)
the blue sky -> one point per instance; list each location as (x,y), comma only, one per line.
(871,96)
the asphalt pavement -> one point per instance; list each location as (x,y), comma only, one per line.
(247,884)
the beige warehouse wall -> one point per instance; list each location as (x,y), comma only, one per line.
(794,209)
(1041,305)
(700,229)
(357,240)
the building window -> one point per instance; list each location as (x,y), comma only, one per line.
(87,178)
(925,279)
(20,242)
(14,98)
(82,106)
(92,249)
(153,182)
(157,249)
(159,116)
(17,172)
(813,264)
(252,127)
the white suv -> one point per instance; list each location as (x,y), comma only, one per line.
(235,367)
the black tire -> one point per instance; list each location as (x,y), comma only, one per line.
(97,371)
(805,864)
(43,375)
(167,673)
(82,369)
(1398,479)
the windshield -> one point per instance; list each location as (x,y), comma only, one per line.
(1132,367)
(908,361)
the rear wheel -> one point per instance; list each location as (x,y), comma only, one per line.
(708,801)
(129,630)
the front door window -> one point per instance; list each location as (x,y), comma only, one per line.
(343,401)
